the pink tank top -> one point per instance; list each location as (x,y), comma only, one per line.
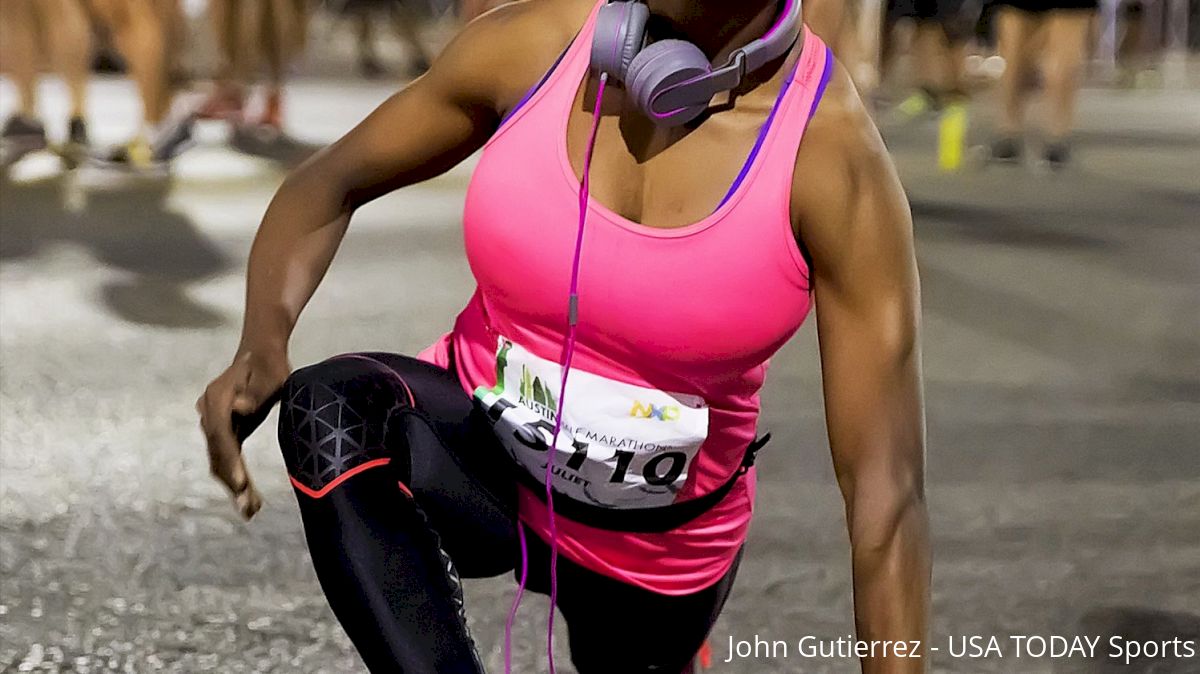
(676,329)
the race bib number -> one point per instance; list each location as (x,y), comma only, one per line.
(620,445)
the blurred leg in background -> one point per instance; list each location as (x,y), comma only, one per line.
(253,35)
(69,39)
(837,22)
(1131,28)
(145,33)
(369,64)
(1016,31)
(1053,37)
(407,22)
(1068,34)
(23,132)
(282,33)
(939,41)
(59,29)
(228,96)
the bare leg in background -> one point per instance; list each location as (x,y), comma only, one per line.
(60,29)
(1015,35)
(1065,48)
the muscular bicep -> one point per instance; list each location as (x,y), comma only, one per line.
(857,226)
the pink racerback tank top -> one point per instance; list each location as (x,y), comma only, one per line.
(675,332)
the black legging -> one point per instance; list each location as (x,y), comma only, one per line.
(403,488)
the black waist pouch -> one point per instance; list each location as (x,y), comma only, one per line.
(657,519)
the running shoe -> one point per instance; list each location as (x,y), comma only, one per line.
(136,154)
(20,136)
(226,102)
(370,68)
(173,138)
(264,131)
(75,150)
(918,105)
(272,115)
(77,133)
(123,166)
(1006,150)
(152,155)
(1057,155)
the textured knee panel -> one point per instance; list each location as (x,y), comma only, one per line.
(336,417)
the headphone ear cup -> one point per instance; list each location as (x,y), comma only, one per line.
(662,65)
(619,35)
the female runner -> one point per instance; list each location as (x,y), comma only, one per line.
(660,270)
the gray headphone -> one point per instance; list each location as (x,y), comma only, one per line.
(672,81)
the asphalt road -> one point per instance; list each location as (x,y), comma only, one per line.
(1062,365)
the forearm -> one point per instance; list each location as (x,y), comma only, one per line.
(891,559)
(295,244)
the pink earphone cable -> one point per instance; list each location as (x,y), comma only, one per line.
(512,612)
(569,352)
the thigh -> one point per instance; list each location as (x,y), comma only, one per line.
(1067,32)
(289,25)
(111,13)
(369,407)
(18,26)
(1015,33)
(616,627)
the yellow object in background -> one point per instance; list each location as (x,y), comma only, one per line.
(952,137)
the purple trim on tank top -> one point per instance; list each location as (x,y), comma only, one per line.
(825,75)
(534,89)
(762,134)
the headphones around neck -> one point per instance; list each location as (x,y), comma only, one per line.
(672,81)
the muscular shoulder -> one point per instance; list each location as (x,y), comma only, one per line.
(841,148)
(842,167)
(498,56)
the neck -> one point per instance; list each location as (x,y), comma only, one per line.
(718,27)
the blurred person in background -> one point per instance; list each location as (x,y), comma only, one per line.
(1050,37)
(1139,42)
(402,16)
(148,34)
(30,29)
(250,34)
(1130,50)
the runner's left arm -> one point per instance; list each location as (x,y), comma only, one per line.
(854,218)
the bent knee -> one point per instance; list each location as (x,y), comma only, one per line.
(333,421)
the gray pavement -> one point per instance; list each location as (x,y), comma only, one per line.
(1062,363)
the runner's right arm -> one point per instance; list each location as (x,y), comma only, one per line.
(418,133)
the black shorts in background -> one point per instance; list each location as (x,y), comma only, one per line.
(957,17)
(1037,6)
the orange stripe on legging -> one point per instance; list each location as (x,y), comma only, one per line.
(320,493)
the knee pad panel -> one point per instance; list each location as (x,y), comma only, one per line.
(335,417)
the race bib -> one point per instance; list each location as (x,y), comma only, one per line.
(620,445)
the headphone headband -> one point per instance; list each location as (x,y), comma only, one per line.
(671,80)
(776,41)
(700,90)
